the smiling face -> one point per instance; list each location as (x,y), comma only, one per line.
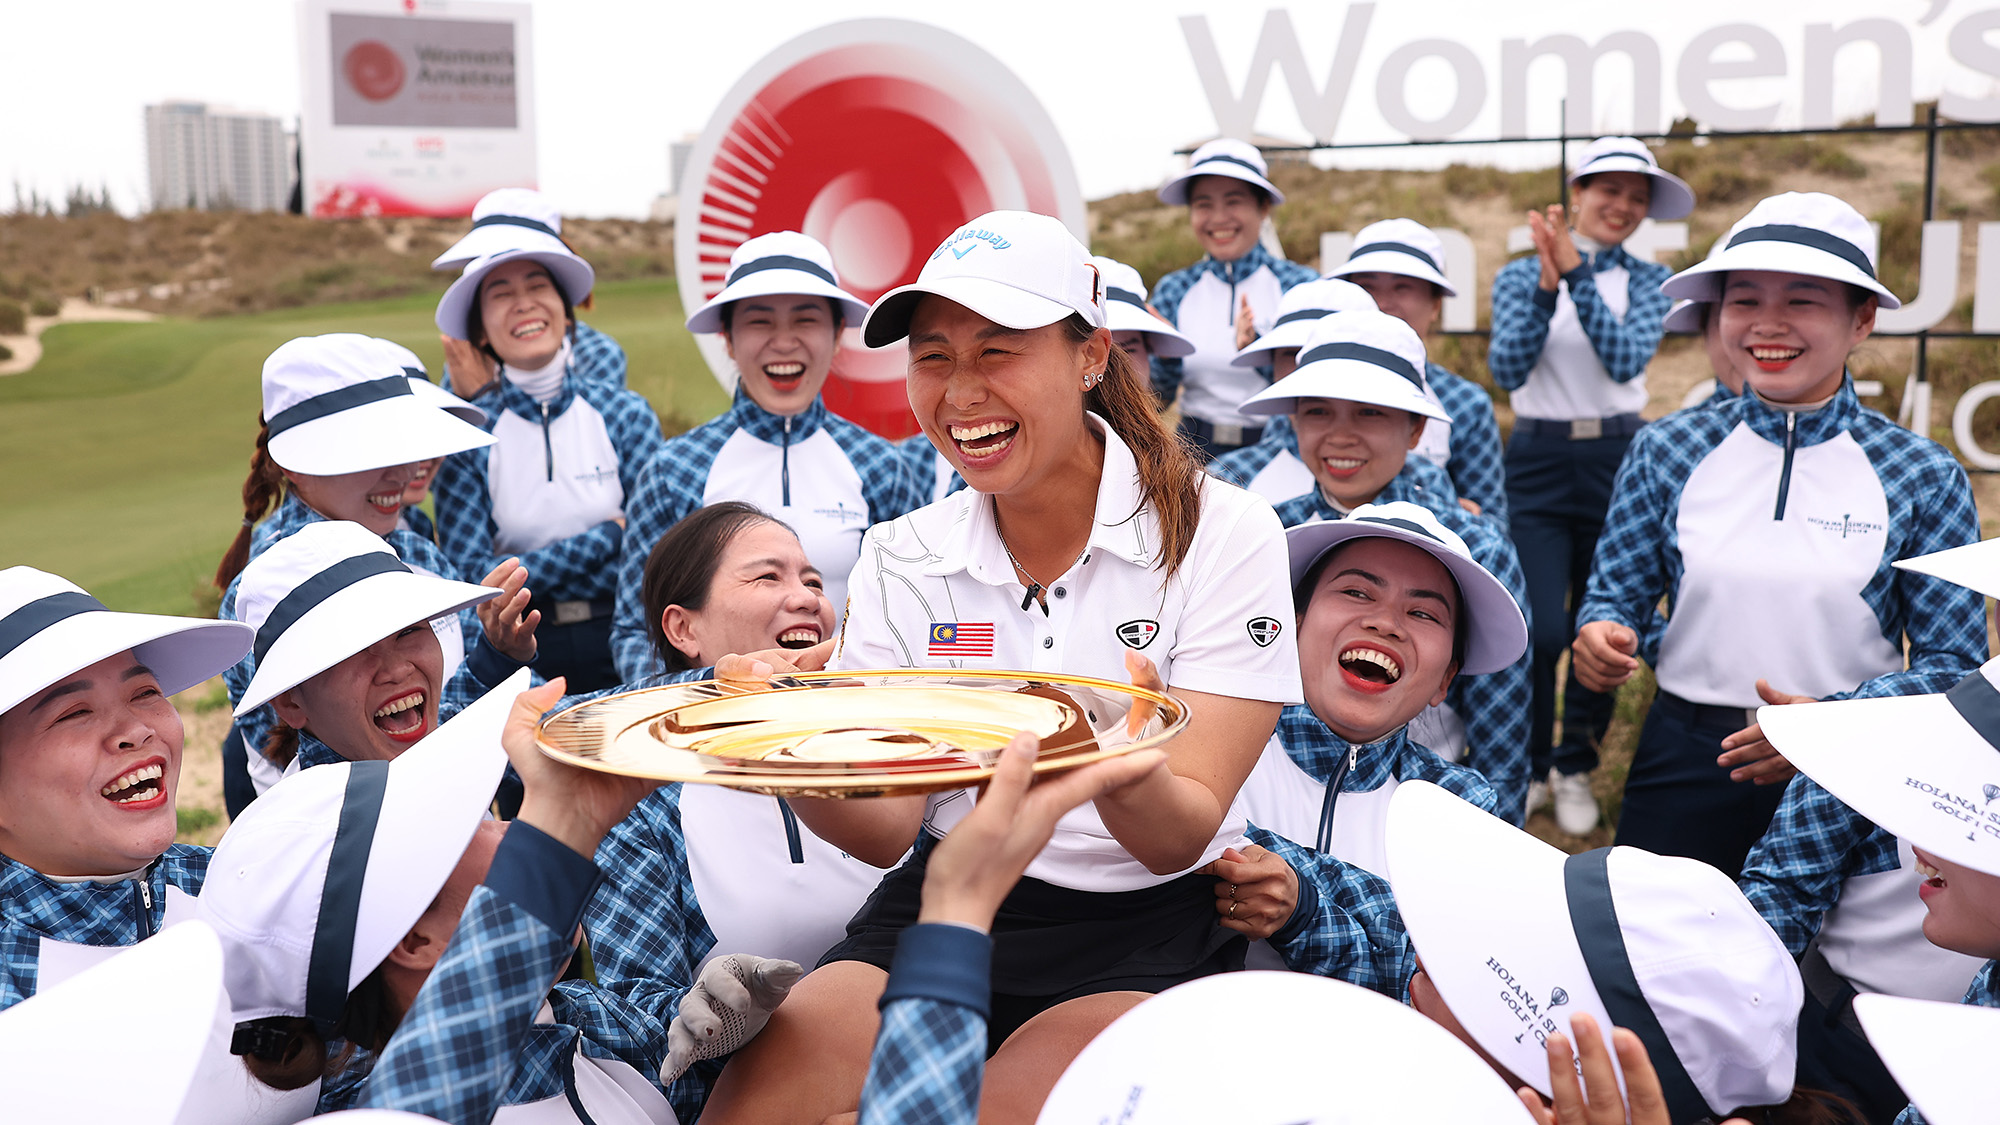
(521,310)
(376,703)
(765,594)
(1004,406)
(1227,215)
(372,498)
(1412,300)
(1789,333)
(1134,343)
(783,346)
(419,486)
(1354,449)
(1962,906)
(88,772)
(1375,641)
(1611,205)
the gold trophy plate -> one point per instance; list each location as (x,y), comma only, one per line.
(856,734)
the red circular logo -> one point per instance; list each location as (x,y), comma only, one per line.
(374,70)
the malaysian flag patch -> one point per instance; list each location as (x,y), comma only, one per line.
(961,638)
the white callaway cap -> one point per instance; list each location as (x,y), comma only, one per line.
(1359,356)
(1496,631)
(427,391)
(1939,788)
(341,404)
(50,628)
(1327,1051)
(1802,232)
(1125,309)
(308,904)
(506,219)
(1015,268)
(785,262)
(572,275)
(1298,309)
(1671,199)
(1518,937)
(162,999)
(1401,246)
(1940,1054)
(1224,156)
(327,591)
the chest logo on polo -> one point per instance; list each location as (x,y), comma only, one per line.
(961,638)
(1139,633)
(1845,526)
(1264,630)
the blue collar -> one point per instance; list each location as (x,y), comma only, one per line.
(1609,257)
(1318,751)
(1985,989)
(518,401)
(1824,424)
(313,752)
(85,913)
(1403,486)
(763,425)
(1233,272)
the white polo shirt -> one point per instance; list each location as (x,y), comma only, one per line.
(935,589)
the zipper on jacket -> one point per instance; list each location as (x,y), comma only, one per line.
(792,832)
(145,896)
(785,481)
(548,448)
(1333,785)
(1785,474)
(1229,275)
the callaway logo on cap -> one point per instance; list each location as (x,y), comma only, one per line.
(1044,276)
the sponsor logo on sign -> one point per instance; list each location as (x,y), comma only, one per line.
(1264,630)
(1138,634)
(961,638)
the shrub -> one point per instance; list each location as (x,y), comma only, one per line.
(13,319)
(44,305)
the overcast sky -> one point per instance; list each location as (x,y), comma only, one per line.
(617,80)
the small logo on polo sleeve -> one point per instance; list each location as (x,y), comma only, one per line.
(1264,630)
(1138,634)
(961,638)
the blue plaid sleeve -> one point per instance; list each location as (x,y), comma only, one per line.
(1520,322)
(1166,300)
(1815,844)
(1943,623)
(1624,345)
(930,1053)
(668,487)
(1345,925)
(1477,466)
(1496,706)
(597,357)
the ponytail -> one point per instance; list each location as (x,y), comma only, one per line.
(262,491)
(287,1052)
(281,745)
(1169,476)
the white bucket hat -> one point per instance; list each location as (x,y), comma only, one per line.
(1298,309)
(427,391)
(50,628)
(318,880)
(1688,315)
(1359,356)
(1153,1065)
(1015,268)
(1224,156)
(1672,198)
(1496,631)
(771,264)
(1802,232)
(572,275)
(163,996)
(1940,1054)
(326,592)
(1125,309)
(506,219)
(1400,246)
(1518,937)
(341,404)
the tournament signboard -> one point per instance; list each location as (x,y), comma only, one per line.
(414,107)
(877,137)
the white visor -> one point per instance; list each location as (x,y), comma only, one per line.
(1672,198)
(1398,246)
(1360,356)
(1125,310)
(572,275)
(1154,1064)
(506,219)
(1496,631)
(1808,233)
(1938,1053)
(1235,159)
(50,628)
(778,264)
(1687,317)
(1301,306)
(342,403)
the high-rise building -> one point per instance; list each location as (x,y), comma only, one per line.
(210,158)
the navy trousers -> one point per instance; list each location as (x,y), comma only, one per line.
(1557,493)
(1679,802)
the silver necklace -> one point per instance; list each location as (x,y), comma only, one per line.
(1035,589)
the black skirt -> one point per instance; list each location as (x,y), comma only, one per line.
(1052,944)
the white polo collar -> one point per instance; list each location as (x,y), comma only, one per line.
(1122,524)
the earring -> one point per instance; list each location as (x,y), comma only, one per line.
(1091,379)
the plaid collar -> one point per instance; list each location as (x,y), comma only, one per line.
(1318,751)
(1237,270)
(89,913)
(763,425)
(517,401)
(1812,428)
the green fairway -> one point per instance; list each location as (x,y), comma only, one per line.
(122,454)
